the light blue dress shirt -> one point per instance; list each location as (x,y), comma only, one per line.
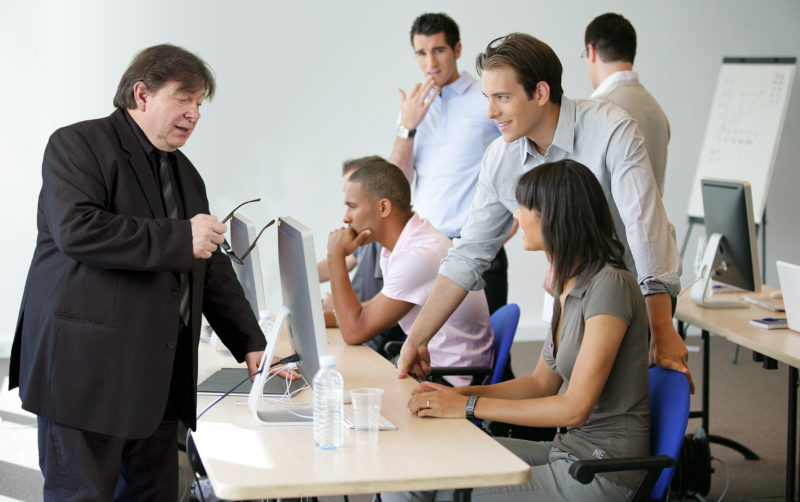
(604,138)
(448,149)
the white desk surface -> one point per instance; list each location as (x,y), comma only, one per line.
(245,460)
(733,324)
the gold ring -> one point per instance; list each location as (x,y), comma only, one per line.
(427,404)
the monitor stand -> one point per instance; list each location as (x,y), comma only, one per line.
(700,291)
(274,415)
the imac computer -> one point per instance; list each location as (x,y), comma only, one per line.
(301,316)
(243,233)
(730,255)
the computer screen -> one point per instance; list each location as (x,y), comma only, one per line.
(731,255)
(300,289)
(243,233)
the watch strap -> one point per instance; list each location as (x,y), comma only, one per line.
(405,132)
(471,407)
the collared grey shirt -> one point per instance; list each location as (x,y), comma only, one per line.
(604,138)
(619,423)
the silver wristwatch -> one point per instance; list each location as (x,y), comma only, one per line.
(404,132)
(471,407)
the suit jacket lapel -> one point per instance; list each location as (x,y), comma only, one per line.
(192,200)
(139,163)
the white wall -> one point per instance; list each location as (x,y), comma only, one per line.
(303,85)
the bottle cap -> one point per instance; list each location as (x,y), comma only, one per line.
(327,361)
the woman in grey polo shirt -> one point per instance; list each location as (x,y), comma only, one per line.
(597,347)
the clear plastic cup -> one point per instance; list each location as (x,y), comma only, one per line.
(366,413)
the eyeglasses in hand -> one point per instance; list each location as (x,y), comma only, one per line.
(226,248)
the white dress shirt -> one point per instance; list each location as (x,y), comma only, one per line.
(448,149)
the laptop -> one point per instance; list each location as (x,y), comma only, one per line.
(789,278)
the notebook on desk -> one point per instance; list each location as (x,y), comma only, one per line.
(789,278)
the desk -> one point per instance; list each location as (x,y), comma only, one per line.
(245,460)
(782,345)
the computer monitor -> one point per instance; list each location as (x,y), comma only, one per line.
(300,315)
(731,255)
(300,289)
(243,233)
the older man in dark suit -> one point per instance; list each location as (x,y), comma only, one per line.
(126,261)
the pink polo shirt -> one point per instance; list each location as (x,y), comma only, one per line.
(408,275)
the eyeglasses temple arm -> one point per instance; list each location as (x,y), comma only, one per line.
(230,215)
(256,240)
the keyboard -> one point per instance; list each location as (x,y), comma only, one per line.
(767,303)
(349,421)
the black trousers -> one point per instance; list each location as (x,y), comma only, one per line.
(82,465)
(496,277)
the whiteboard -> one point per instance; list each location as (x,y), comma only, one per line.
(745,125)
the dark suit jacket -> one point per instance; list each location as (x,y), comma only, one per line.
(96,334)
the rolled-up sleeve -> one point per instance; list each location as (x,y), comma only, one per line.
(650,235)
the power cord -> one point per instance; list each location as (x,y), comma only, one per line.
(727,478)
(289,359)
(686,288)
(286,360)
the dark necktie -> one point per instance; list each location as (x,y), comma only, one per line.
(168,194)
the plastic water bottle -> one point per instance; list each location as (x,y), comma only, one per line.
(328,388)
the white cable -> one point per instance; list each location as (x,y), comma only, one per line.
(727,478)
(724,490)
(685,288)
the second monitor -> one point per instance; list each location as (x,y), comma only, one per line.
(731,255)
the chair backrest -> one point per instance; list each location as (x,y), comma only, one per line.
(669,414)
(504,324)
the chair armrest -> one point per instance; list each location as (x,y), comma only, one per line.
(392,348)
(461,370)
(584,470)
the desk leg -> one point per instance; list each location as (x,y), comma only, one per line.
(730,443)
(462,495)
(791,440)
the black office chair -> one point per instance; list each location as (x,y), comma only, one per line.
(669,414)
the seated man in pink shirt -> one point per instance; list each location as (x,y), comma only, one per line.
(378,201)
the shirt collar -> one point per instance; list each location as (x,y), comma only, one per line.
(460,86)
(462,83)
(140,136)
(563,138)
(618,76)
(412,222)
(582,282)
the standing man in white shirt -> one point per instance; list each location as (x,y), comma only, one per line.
(442,134)
(610,42)
(521,76)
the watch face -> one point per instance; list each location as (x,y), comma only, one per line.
(405,132)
